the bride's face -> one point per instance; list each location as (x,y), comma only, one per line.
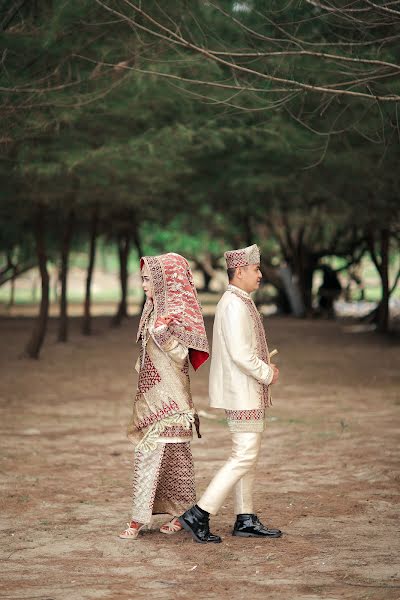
(146,282)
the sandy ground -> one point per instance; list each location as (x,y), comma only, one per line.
(328,474)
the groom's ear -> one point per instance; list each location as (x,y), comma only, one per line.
(240,271)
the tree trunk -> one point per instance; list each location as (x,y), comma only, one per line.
(380,257)
(272,276)
(207,280)
(205,265)
(292,291)
(87,319)
(55,280)
(123,254)
(65,248)
(304,268)
(307,278)
(138,245)
(35,343)
(383,309)
(11,301)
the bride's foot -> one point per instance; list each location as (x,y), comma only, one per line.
(132,531)
(172,526)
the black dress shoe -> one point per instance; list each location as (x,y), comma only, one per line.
(197,524)
(251,526)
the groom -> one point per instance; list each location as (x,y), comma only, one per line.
(240,376)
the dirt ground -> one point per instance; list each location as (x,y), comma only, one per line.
(328,475)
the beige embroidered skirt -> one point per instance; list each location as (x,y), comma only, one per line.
(163,481)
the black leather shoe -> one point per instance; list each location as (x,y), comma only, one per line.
(251,526)
(197,524)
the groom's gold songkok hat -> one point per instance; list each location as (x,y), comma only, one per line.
(242,257)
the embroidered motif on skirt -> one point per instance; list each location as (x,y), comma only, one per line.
(177,431)
(176,490)
(163,481)
(146,468)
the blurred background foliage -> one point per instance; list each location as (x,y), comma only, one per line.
(119,139)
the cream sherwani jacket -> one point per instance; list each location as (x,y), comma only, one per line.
(236,371)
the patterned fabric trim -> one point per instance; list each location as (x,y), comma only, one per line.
(245,415)
(249,426)
(174,294)
(156,416)
(177,431)
(146,469)
(163,482)
(245,420)
(163,338)
(149,442)
(176,490)
(261,341)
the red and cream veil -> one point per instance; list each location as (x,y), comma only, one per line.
(174,295)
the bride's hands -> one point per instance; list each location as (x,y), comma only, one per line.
(166,320)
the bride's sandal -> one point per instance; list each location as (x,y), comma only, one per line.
(132,531)
(171,527)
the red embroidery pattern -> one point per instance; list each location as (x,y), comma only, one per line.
(176,490)
(236,258)
(157,416)
(242,257)
(163,336)
(174,294)
(163,482)
(176,431)
(245,415)
(185,367)
(148,375)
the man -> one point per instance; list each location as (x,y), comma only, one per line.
(240,376)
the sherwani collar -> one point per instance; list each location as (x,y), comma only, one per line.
(237,290)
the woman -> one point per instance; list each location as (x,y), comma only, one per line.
(172,333)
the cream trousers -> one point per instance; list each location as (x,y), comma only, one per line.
(238,472)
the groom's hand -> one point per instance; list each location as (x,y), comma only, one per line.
(276,373)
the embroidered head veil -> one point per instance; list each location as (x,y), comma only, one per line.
(174,295)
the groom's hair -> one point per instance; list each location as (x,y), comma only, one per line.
(231,273)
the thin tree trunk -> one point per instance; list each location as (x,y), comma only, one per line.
(87,319)
(35,343)
(205,265)
(65,249)
(137,241)
(383,309)
(271,275)
(55,280)
(138,245)
(380,314)
(11,301)
(207,279)
(308,275)
(123,254)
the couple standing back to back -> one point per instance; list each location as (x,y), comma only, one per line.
(172,334)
